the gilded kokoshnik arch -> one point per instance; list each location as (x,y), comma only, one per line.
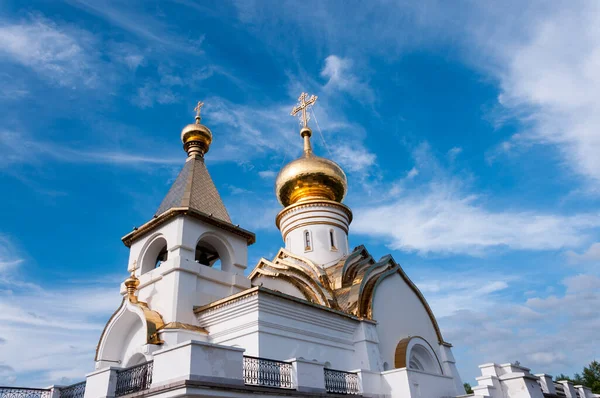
(348,286)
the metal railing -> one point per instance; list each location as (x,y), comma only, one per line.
(134,379)
(21,392)
(267,373)
(340,382)
(76,390)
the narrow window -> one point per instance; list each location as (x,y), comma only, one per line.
(307,245)
(332,240)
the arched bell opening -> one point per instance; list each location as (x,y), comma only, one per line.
(212,251)
(155,254)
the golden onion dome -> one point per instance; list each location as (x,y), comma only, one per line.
(310,177)
(196,137)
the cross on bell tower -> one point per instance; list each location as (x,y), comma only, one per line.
(197,109)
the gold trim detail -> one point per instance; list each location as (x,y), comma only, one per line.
(185,326)
(348,286)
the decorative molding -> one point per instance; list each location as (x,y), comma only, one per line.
(342,227)
(313,203)
(146,228)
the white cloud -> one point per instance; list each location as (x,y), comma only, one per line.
(268,174)
(340,75)
(55,53)
(591,254)
(41,326)
(16,149)
(445,221)
(454,152)
(412,173)
(441,216)
(479,315)
(546,61)
(354,159)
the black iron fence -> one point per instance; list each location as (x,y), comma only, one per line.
(76,390)
(340,382)
(267,372)
(134,379)
(21,392)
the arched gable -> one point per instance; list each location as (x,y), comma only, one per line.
(372,283)
(128,317)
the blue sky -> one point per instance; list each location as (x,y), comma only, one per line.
(468,130)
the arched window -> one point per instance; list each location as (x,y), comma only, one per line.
(307,242)
(332,240)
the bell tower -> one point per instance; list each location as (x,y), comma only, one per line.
(189,254)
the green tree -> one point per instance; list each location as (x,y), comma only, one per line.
(590,377)
(468,388)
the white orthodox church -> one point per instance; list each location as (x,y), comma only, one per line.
(320,319)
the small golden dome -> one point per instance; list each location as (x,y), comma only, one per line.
(132,284)
(196,137)
(310,177)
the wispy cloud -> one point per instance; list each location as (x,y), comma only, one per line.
(592,254)
(16,149)
(551,81)
(488,327)
(441,215)
(40,326)
(340,76)
(141,24)
(55,53)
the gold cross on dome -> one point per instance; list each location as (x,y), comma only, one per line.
(303,104)
(197,109)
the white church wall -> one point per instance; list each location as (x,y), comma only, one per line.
(399,314)
(277,328)
(198,360)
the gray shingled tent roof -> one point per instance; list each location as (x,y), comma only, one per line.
(195,189)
